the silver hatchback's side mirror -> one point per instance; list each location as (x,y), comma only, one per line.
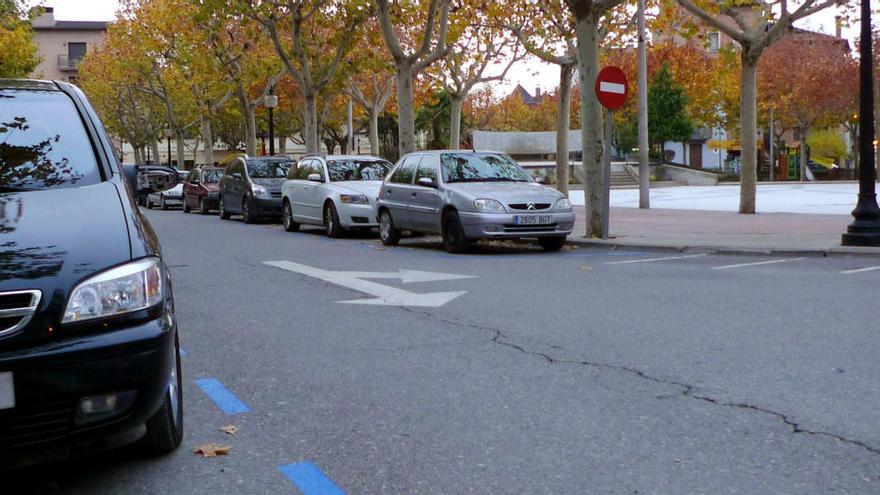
(316,178)
(426,182)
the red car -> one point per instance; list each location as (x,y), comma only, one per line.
(201,189)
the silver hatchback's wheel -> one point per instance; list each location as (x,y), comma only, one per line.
(287,218)
(388,233)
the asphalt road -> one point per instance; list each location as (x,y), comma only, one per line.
(584,371)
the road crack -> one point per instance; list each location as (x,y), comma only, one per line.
(687,390)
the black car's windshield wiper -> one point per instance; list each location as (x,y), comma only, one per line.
(486,179)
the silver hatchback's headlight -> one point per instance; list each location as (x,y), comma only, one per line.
(124,289)
(488,205)
(563,204)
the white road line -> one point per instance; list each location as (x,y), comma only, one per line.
(861,270)
(741,265)
(649,260)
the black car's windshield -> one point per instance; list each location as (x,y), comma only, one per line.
(265,169)
(342,170)
(43,143)
(480,167)
(212,176)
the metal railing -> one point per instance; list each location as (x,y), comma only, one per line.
(68,63)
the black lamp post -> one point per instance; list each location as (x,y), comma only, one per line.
(271,101)
(865,229)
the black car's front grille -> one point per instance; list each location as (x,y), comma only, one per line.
(529,206)
(525,229)
(28,425)
(16,310)
(276,194)
(15,300)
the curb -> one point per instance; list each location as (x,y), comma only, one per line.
(727,250)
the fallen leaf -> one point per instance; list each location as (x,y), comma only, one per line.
(212,450)
(229,429)
(586,268)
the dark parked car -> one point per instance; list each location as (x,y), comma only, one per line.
(89,355)
(251,187)
(201,189)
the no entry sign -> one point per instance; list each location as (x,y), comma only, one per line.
(612,87)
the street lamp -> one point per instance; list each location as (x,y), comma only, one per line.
(168,134)
(865,229)
(271,101)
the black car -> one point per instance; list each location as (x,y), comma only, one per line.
(89,354)
(251,187)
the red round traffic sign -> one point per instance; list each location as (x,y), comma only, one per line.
(612,87)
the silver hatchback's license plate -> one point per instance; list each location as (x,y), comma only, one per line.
(533,219)
(7,391)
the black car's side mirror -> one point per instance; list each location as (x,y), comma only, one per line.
(236,176)
(540,180)
(426,182)
(146,179)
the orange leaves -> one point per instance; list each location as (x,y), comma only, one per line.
(212,450)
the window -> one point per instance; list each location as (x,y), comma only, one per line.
(404,173)
(305,168)
(268,169)
(346,170)
(428,168)
(75,52)
(481,167)
(43,144)
(193,177)
(714,41)
(211,176)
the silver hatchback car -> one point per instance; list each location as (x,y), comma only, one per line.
(468,195)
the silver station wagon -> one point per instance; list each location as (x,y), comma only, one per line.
(468,195)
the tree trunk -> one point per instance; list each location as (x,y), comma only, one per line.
(405,112)
(138,159)
(282,144)
(155,147)
(250,124)
(876,119)
(455,103)
(749,134)
(208,138)
(310,124)
(374,130)
(563,121)
(180,146)
(591,123)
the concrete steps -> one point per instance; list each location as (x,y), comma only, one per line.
(623,179)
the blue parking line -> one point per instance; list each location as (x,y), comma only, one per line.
(225,400)
(310,479)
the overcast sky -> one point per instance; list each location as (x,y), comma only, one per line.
(529,73)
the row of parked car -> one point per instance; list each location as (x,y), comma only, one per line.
(461,195)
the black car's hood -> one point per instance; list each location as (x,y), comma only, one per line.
(51,239)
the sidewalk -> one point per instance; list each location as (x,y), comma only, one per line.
(719,231)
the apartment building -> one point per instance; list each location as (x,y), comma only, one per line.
(63,44)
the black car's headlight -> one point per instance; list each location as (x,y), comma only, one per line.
(131,287)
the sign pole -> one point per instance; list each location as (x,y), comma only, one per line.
(606,173)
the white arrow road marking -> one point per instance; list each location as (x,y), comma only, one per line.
(407,276)
(388,296)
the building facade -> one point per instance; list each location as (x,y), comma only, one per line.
(63,44)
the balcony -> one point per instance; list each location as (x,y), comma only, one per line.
(67,63)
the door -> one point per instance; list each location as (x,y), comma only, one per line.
(306,201)
(425,203)
(397,190)
(191,190)
(233,186)
(696,155)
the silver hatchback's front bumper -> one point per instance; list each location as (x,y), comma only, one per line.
(504,225)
